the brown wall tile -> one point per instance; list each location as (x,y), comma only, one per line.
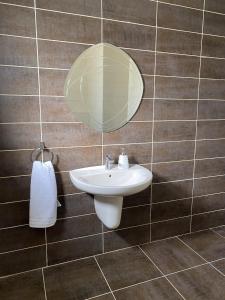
(145,60)
(181,18)
(129,35)
(52,82)
(22,260)
(50,53)
(130,133)
(178,42)
(171,191)
(12,109)
(55,109)
(212,89)
(55,26)
(211,129)
(210,167)
(207,203)
(172,171)
(174,131)
(143,12)
(211,148)
(134,216)
(145,111)
(214,24)
(18,51)
(74,228)
(77,204)
(73,158)
(204,221)
(11,83)
(19,136)
(21,237)
(178,88)
(177,65)
(170,210)
(213,46)
(126,237)
(175,109)
(14,214)
(74,249)
(173,151)
(208,109)
(138,154)
(17,20)
(15,163)
(21,2)
(70,135)
(14,189)
(209,185)
(215,5)
(188,3)
(64,184)
(166,229)
(148,86)
(141,198)
(89,7)
(213,68)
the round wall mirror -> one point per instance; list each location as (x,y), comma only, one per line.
(104,87)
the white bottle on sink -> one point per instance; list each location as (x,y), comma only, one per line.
(123,162)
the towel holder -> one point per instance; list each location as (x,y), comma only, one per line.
(36,152)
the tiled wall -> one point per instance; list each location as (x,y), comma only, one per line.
(178,132)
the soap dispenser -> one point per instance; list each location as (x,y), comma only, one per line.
(123,162)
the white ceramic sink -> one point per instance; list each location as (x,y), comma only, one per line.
(109,187)
(115,182)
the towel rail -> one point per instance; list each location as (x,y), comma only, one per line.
(36,152)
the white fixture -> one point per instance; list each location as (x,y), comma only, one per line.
(123,162)
(109,187)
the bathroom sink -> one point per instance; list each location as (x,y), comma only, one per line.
(109,187)
(115,182)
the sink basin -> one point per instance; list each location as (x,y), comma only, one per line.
(115,182)
(109,187)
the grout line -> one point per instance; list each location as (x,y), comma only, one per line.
(104,278)
(21,249)
(153,113)
(138,121)
(218,232)
(144,75)
(121,249)
(161,272)
(43,277)
(161,2)
(208,262)
(120,229)
(94,297)
(102,135)
(125,48)
(38,73)
(155,183)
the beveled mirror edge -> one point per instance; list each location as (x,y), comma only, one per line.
(140,79)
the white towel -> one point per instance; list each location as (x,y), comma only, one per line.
(43,195)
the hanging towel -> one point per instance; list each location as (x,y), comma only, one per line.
(43,195)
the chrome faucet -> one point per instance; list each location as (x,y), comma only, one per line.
(108,162)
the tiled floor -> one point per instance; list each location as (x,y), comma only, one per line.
(188,267)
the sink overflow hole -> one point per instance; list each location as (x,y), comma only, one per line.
(110,175)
